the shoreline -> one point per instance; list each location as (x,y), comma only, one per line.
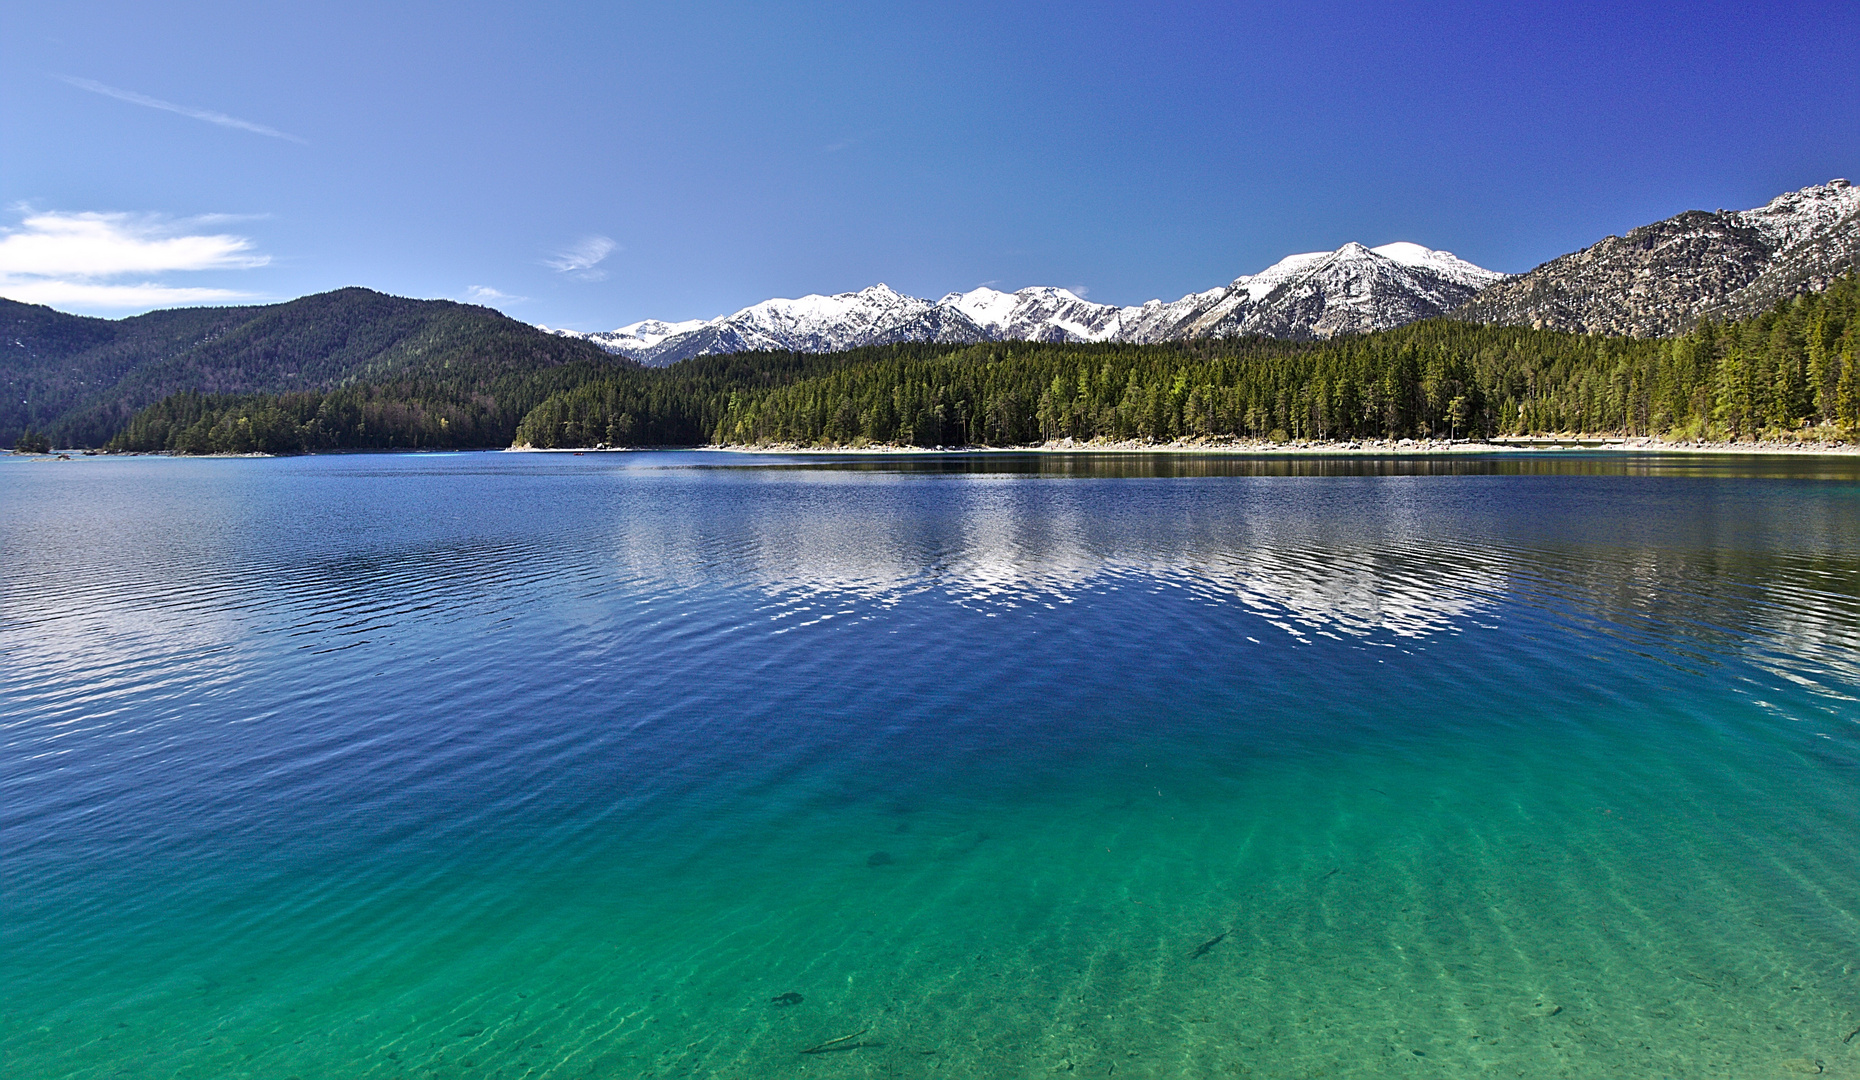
(1360,448)
(1224,448)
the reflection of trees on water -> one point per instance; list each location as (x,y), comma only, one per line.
(1796,616)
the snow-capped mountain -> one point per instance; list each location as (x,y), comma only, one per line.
(638,337)
(1325,293)
(1320,294)
(1662,278)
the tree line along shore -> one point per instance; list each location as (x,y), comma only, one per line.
(1786,376)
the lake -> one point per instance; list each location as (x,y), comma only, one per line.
(681,764)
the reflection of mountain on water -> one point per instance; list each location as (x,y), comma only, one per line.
(1309,558)
(1359,592)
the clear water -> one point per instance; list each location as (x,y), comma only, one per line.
(500,765)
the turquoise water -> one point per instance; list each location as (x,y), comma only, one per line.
(495,765)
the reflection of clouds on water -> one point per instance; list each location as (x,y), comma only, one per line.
(1361,592)
(78,649)
(997,544)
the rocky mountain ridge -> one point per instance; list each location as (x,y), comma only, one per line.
(1662,278)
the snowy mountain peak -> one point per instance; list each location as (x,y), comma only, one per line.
(1352,290)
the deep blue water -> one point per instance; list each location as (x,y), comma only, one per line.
(501,765)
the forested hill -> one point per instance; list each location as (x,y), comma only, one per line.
(82,379)
(1791,367)
(51,361)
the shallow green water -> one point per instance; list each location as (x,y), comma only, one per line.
(498,765)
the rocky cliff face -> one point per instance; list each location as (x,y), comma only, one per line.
(1663,278)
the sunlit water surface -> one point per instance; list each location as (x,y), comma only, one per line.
(497,765)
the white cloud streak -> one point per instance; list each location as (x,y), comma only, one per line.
(582,260)
(207,115)
(70,259)
(486,295)
(108,245)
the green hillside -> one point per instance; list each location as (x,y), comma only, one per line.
(82,380)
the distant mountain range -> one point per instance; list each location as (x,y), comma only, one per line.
(1318,295)
(1658,279)
(1663,278)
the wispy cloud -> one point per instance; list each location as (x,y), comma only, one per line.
(208,115)
(484,294)
(583,259)
(74,259)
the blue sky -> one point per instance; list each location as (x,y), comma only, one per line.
(588,165)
